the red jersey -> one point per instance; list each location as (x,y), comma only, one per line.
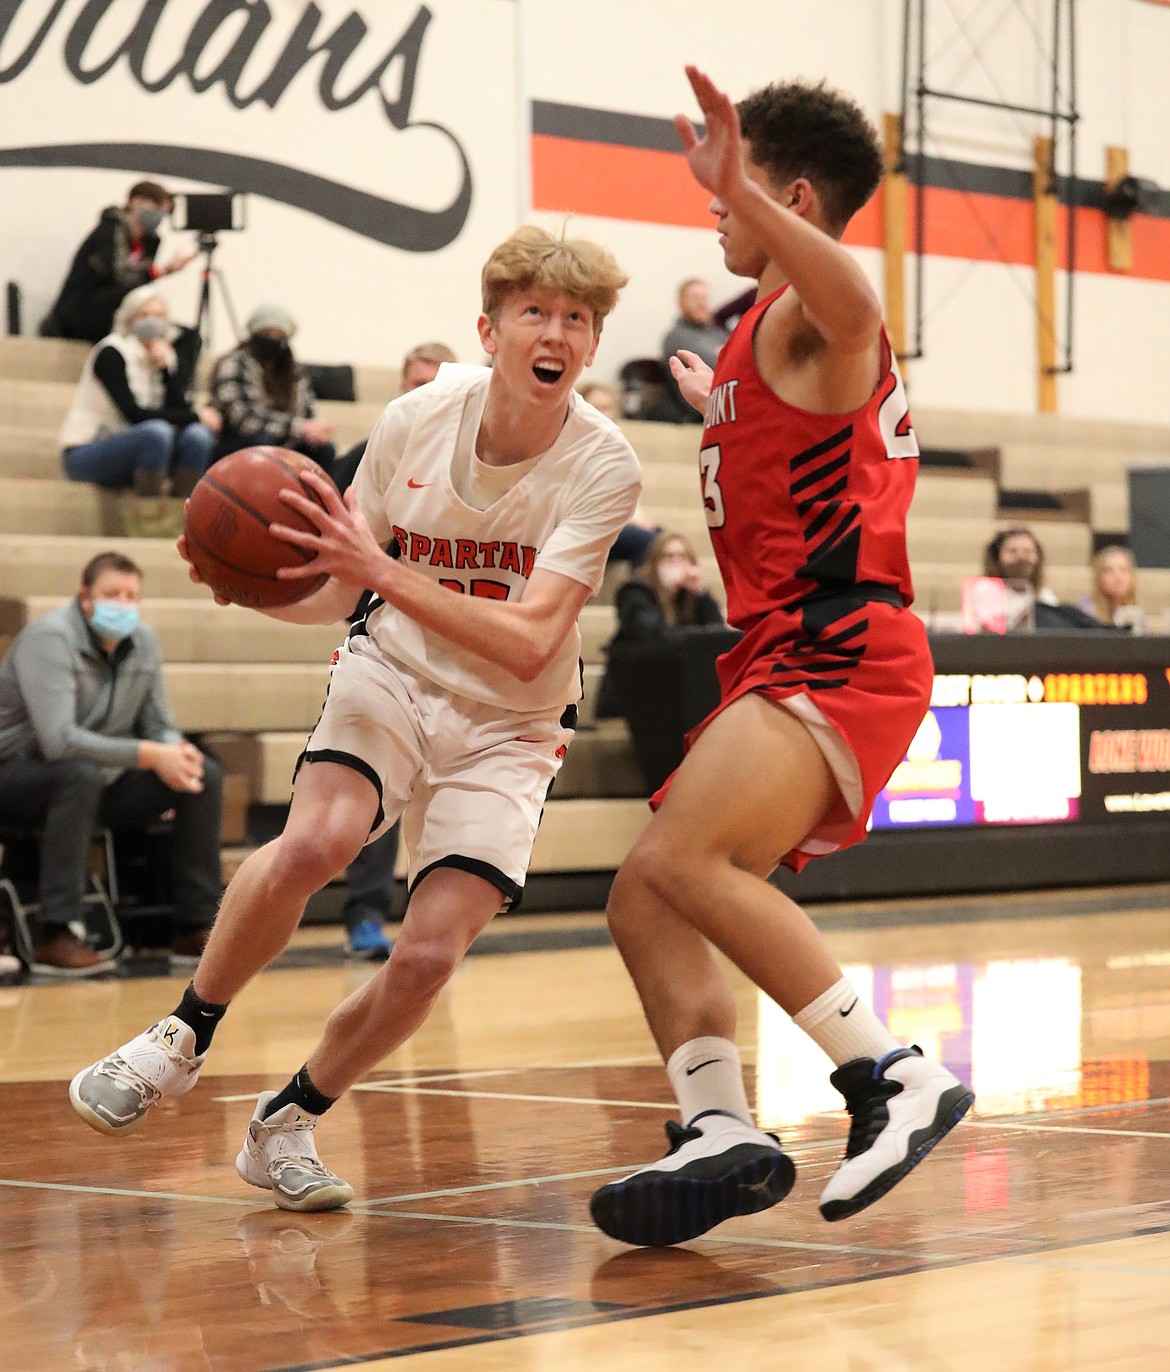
(808,520)
(803,505)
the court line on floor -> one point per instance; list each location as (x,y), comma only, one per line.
(124,1191)
(1038,1127)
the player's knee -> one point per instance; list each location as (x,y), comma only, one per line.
(304,861)
(651,873)
(421,967)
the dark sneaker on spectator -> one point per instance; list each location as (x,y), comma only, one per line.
(367,941)
(187,946)
(64,955)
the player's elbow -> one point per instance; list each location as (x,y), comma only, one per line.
(533,654)
(528,664)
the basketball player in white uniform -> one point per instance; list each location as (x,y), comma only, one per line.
(451,706)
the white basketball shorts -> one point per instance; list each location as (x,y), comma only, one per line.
(468,781)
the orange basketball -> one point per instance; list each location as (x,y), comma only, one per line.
(226,527)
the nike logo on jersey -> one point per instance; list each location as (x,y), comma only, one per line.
(692,1070)
(528,740)
(417,485)
(844,1013)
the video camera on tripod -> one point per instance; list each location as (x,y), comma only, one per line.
(210,214)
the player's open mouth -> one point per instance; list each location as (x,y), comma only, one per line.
(548,373)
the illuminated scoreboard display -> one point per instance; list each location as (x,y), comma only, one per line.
(1041,745)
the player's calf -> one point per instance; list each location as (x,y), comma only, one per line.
(901,1106)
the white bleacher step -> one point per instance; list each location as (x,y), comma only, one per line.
(29,452)
(600,762)
(1109,506)
(201,631)
(35,404)
(962,493)
(962,541)
(582,835)
(51,565)
(42,359)
(247,698)
(31,506)
(1025,466)
(198,630)
(937,428)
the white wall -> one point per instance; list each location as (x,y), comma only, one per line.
(362,300)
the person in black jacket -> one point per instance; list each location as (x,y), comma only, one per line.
(115,258)
(668,594)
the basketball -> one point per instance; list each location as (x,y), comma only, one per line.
(226,527)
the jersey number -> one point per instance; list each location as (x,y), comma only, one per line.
(709,460)
(894,419)
(480,586)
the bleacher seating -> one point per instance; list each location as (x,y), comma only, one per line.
(256,685)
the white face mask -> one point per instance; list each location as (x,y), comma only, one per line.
(149,328)
(671,574)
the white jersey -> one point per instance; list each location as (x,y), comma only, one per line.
(561,516)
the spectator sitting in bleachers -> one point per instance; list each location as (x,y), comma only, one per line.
(264,398)
(668,595)
(131,425)
(694,331)
(1113,600)
(419,366)
(1017,559)
(114,259)
(87,740)
(603,398)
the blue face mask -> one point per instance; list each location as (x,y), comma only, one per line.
(114,619)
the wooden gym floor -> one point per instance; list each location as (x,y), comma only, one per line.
(1037,1237)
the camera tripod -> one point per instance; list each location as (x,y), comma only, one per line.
(208,242)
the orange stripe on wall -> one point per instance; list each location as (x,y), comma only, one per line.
(612,182)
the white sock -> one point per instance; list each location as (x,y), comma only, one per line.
(844,1027)
(707,1075)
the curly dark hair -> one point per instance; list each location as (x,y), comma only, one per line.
(797,129)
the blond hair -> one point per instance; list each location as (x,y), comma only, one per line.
(532,259)
(1102,607)
(436,353)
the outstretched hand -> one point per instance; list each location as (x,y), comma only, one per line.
(342,540)
(693,377)
(716,160)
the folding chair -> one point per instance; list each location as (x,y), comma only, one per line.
(97,925)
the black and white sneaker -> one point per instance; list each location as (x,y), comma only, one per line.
(712,1172)
(901,1106)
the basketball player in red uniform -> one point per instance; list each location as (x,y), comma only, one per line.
(808,462)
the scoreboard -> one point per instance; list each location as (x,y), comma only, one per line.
(1038,730)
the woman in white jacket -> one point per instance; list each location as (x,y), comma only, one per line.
(131,425)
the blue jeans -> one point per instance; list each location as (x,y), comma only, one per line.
(152,446)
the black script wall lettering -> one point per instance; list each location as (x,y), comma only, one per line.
(341,45)
(7,15)
(382,219)
(83,30)
(232,66)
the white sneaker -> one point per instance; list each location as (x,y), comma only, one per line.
(901,1107)
(714,1171)
(114,1094)
(279,1155)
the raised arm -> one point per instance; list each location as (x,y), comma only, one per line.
(836,298)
